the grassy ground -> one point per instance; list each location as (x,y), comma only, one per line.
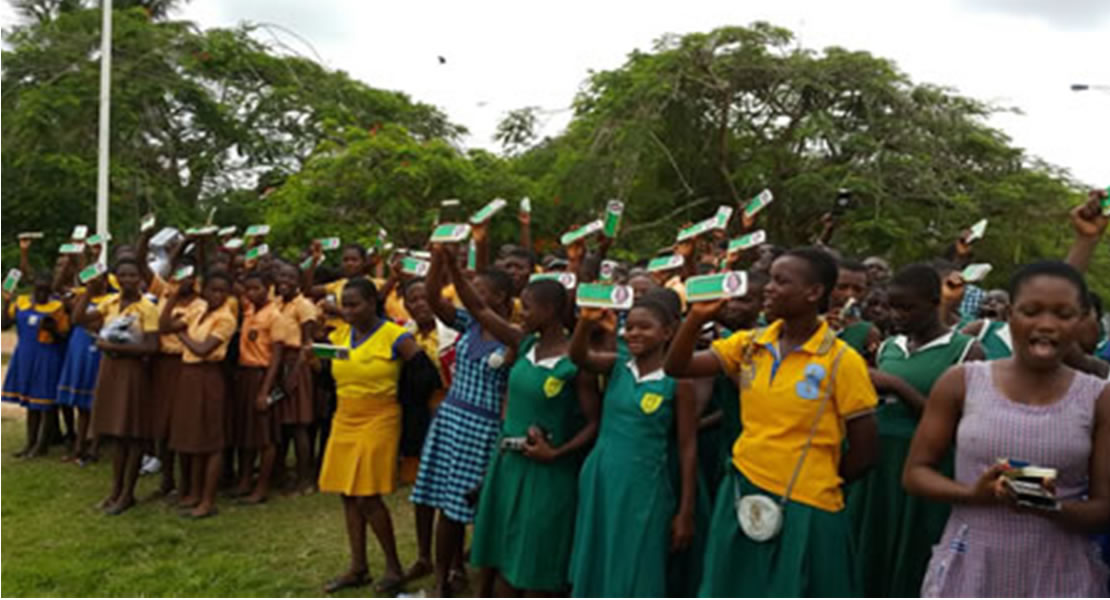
(56,544)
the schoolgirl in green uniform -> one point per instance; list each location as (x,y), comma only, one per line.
(632,513)
(895,532)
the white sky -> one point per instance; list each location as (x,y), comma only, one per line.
(507,54)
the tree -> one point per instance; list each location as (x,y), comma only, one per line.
(198,117)
(359,181)
(710,119)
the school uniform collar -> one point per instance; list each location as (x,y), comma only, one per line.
(356,343)
(656,375)
(903,342)
(547,363)
(772,332)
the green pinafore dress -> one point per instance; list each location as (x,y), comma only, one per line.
(524,526)
(627,498)
(895,532)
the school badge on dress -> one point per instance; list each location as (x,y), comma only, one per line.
(552,386)
(650,403)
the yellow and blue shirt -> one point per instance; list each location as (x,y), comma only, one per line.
(780,395)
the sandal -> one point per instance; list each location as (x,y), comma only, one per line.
(347,580)
(389,585)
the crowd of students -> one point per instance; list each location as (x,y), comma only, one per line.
(839,430)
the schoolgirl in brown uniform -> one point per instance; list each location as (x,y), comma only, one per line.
(265,336)
(197,427)
(122,399)
(297,410)
(165,365)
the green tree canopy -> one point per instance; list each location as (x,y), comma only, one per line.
(199,118)
(713,118)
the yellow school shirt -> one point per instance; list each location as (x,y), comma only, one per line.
(374,366)
(779,401)
(169,343)
(143,308)
(219,323)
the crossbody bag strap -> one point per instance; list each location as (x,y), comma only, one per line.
(813,428)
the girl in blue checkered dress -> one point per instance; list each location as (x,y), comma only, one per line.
(463,433)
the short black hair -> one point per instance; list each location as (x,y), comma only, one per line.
(550,293)
(368,291)
(663,302)
(499,279)
(1051,268)
(214,274)
(356,247)
(849,264)
(127,260)
(920,278)
(262,276)
(758,278)
(823,268)
(408,285)
(515,251)
(943,267)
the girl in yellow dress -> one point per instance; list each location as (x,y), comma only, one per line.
(360,461)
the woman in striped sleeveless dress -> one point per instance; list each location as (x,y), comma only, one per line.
(1030,408)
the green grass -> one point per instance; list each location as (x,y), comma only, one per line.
(55,543)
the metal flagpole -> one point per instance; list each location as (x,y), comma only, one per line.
(102,133)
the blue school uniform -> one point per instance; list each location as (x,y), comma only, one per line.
(77,381)
(32,377)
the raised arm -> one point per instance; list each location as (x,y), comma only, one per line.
(25,260)
(480,235)
(443,309)
(681,359)
(597,361)
(525,220)
(141,254)
(1089,225)
(499,326)
(82,316)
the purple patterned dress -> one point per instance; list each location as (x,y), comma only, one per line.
(993,551)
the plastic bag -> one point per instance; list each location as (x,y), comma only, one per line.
(122,330)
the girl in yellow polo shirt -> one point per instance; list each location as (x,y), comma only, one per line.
(803,392)
(122,399)
(360,461)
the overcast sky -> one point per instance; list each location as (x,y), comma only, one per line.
(508,54)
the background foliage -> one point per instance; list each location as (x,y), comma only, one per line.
(216,118)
